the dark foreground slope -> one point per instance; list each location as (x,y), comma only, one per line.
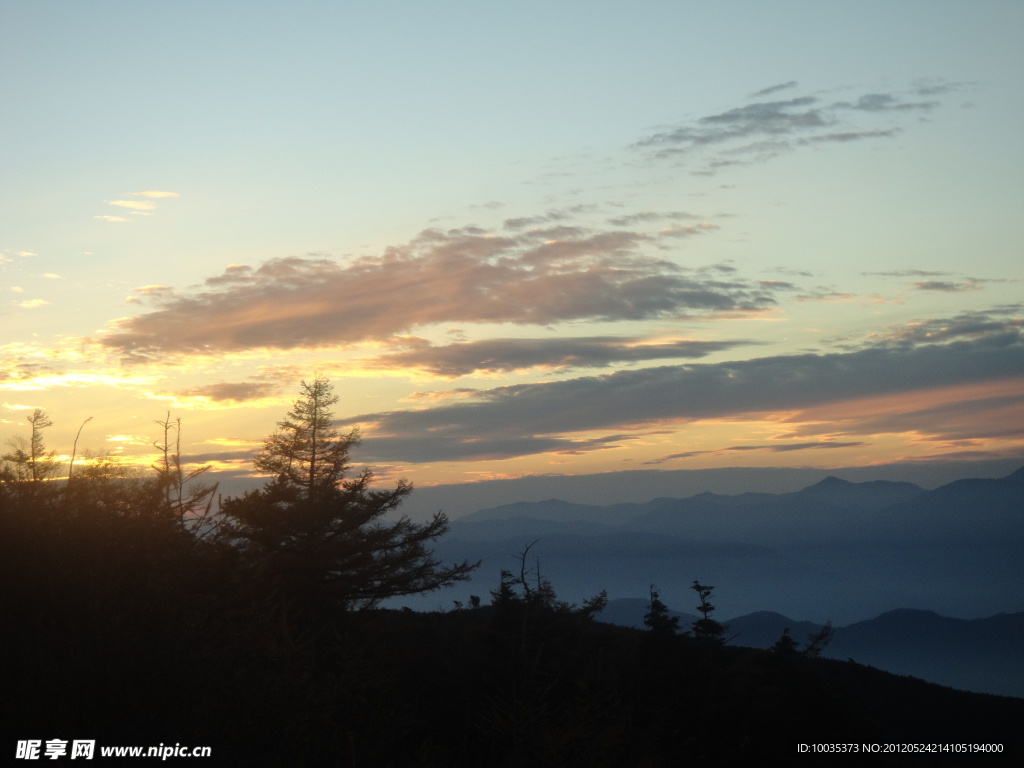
(516,684)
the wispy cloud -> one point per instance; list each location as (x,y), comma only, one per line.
(886,102)
(503,355)
(773,448)
(32,303)
(138,207)
(234,392)
(764,129)
(774,89)
(908,273)
(155,193)
(632,219)
(687,230)
(947,287)
(998,325)
(135,205)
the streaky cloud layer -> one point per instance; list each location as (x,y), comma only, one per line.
(529,418)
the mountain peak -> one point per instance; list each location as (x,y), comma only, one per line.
(832,482)
(1018,475)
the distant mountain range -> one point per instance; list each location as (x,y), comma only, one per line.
(834,550)
(980,655)
(825,510)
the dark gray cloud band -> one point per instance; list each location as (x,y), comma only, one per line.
(502,355)
(545,413)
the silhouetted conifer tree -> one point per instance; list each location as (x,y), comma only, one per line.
(706,630)
(30,461)
(657,619)
(321,538)
(785,647)
(818,641)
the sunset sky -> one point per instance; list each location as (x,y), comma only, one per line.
(521,238)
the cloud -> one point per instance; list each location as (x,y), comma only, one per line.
(441,395)
(990,412)
(32,303)
(156,291)
(908,273)
(234,441)
(458,276)
(503,355)
(687,230)
(135,205)
(17,373)
(640,217)
(777,448)
(995,325)
(227,393)
(886,102)
(207,458)
(535,418)
(825,294)
(759,131)
(947,287)
(965,456)
(523,222)
(52,276)
(110,218)
(770,118)
(130,440)
(774,89)
(155,193)
(845,136)
(17,289)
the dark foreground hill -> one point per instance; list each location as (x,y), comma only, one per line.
(511,685)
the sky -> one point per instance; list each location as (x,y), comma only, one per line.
(520,239)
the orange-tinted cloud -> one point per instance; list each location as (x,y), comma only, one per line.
(465,275)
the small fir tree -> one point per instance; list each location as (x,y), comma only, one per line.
(657,619)
(706,630)
(818,641)
(785,647)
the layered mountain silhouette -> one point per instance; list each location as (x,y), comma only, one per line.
(835,550)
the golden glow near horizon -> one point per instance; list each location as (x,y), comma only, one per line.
(789,261)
